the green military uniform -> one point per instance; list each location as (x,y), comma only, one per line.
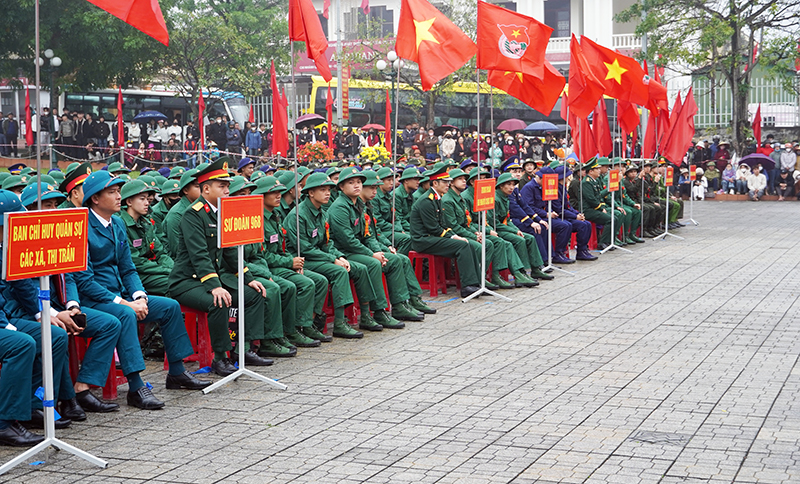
(382,204)
(594,207)
(148,255)
(650,213)
(310,287)
(524,245)
(431,234)
(632,216)
(201,267)
(161,209)
(320,253)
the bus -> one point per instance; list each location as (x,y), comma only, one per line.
(457,107)
(170,103)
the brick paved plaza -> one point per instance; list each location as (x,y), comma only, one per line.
(674,364)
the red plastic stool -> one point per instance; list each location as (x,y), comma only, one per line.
(436,275)
(77,350)
(593,238)
(197,328)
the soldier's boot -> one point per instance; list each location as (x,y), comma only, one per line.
(342,329)
(385,320)
(524,280)
(402,311)
(491,286)
(500,282)
(537,273)
(314,333)
(300,340)
(367,322)
(417,303)
(273,349)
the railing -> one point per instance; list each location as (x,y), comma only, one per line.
(262,107)
(558,45)
(626,41)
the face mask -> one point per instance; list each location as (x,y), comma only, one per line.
(252,129)
(219,121)
(190,136)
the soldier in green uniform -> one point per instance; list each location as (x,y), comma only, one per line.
(72,186)
(118,169)
(348,231)
(574,188)
(375,239)
(205,277)
(333,174)
(323,257)
(650,197)
(310,287)
(431,234)
(525,244)
(594,208)
(404,196)
(630,209)
(148,255)
(424,186)
(288,179)
(666,195)
(384,212)
(16,183)
(633,186)
(176,173)
(171,226)
(170,194)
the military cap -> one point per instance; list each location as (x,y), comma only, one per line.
(348,173)
(527,160)
(151,183)
(45,179)
(113,168)
(9,202)
(510,164)
(244,162)
(76,175)
(554,164)
(591,164)
(562,172)
(3,176)
(316,180)
(239,183)
(15,181)
(410,173)
(187,179)
(373,179)
(218,170)
(71,167)
(288,179)
(603,161)
(333,170)
(97,182)
(505,177)
(457,172)
(256,175)
(17,168)
(144,170)
(545,170)
(631,167)
(616,160)
(467,162)
(438,174)
(57,175)
(133,188)
(473,173)
(176,173)
(30,194)
(385,173)
(170,187)
(268,184)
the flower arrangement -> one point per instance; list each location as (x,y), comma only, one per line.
(314,152)
(375,154)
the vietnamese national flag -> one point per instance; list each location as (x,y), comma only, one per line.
(120,121)
(329,112)
(627,117)
(682,130)
(201,106)
(427,37)
(757,126)
(509,41)
(143,15)
(621,75)
(540,94)
(304,26)
(649,146)
(601,130)
(28,120)
(280,118)
(365,6)
(584,88)
(252,118)
(585,146)
(387,134)
(674,115)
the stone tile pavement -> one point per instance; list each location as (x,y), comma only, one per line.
(676,364)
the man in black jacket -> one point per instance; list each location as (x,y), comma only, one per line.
(101,132)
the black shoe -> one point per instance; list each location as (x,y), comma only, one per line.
(469,290)
(143,398)
(251,358)
(585,255)
(90,403)
(72,410)
(37,421)
(680,224)
(223,367)
(185,380)
(18,436)
(560,259)
(602,246)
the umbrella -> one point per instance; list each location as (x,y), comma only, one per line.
(541,126)
(756,158)
(147,116)
(309,119)
(376,127)
(445,127)
(512,124)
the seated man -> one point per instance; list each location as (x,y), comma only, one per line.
(630,209)
(594,208)
(348,228)
(152,263)
(17,355)
(189,190)
(322,256)
(387,220)
(431,234)
(756,184)
(310,287)
(170,194)
(102,329)
(524,244)
(111,285)
(580,226)
(205,277)
(528,209)
(72,185)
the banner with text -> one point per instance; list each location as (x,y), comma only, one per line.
(240,220)
(670,176)
(613,180)
(692,172)
(43,243)
(550,187)
(484,195)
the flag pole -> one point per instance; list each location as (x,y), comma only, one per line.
(394,138)
(294,147)
(482,289)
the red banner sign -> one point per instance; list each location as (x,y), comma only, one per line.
(240,220)
(670,176)
(550,187)
(346,93)
(692,172)
(484,195)
(613,180)
(43,243)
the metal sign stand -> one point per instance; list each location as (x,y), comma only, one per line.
(483,289)
(666,216)
(241,343)
(550,242)
(612,245)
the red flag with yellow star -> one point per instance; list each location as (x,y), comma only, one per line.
(621,75)
(508,40)
(540,94)
(584,88)
(427,37)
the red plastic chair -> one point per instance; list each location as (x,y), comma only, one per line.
(197,328)
(436,272)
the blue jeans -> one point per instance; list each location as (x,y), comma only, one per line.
(728,185)
(741,186)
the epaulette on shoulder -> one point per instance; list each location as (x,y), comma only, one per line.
(197,206)
(431,196)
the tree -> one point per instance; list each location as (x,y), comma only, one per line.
(97,49)
(224,45)
(719,36)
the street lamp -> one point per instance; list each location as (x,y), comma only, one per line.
(55,62)
(396,64)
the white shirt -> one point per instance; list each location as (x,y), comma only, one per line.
(106,223)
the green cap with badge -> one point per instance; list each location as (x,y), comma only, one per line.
(268,184)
